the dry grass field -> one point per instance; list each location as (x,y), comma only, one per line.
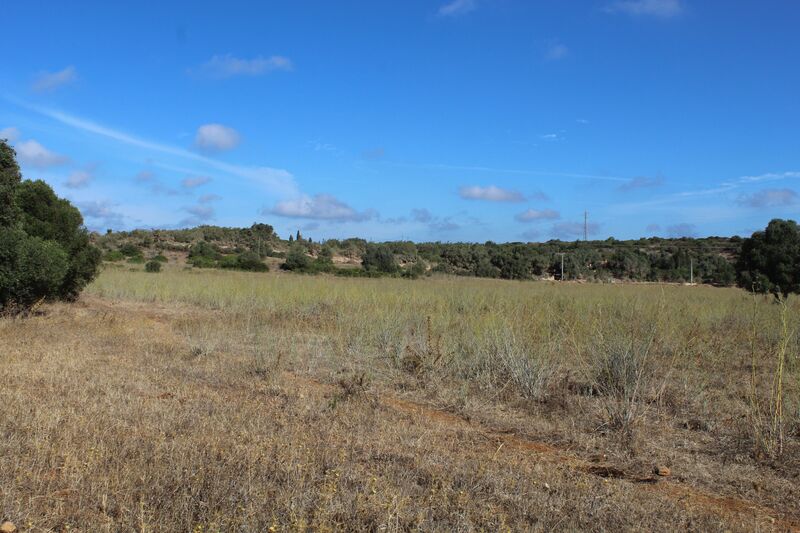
(224,401)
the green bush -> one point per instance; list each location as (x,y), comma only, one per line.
(250,261)
(152,266)
(770,259)
(296,259)
(136,259)
(161,259)
(45,251)
(379,258)
(130,250)
(113,256)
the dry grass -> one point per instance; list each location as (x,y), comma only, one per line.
(222,401)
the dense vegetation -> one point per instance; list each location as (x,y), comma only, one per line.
(770,259)
(45,252)
(766,262)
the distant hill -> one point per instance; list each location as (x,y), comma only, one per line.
(707,260)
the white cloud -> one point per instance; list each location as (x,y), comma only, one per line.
(641,182)
(458,7)
(216,137)
(490,194)
(10,134)
(569,230)
(49,81)
(319,207)
(556,51)
(770,176)
(279,181)
(34,154)
(655,8)
(536,215)
(421,215)
(768,198)
(79,179)
(225,66)
(551,137)
(208,198)
(195,181)
(101,212)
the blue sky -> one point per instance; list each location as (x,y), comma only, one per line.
(451,120)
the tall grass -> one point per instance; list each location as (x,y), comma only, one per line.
(629,343)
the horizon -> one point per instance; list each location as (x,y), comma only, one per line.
(449,121)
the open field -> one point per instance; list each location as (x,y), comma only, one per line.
(227,401)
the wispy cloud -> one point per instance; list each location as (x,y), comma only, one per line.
(421,215)
(491,193)
(208,198)
(682,230)
(227,65)
(571,230)
(193,182)
(521,172)
(551,137)
(768,198)
(655,8)
(458,7)
(556,51)
(199,214)
(769,176)
(373,154)
(537,215)
(79,179)
(319,207)
(10,134)
(641,182)
(278,181)
(653,228)
(102,213)
(216,138)
(50,81)
(34,154)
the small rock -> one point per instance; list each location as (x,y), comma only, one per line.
(661,470)
(8,527)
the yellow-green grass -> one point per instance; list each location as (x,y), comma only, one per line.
(218,400)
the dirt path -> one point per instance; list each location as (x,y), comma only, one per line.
(732,508)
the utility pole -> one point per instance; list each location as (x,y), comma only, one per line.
(691,271)
(585,226)
(562,265)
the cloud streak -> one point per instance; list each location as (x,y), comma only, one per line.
(458,7)
(491,193)
(50,81)
(278,181)
(227,65)
(537,215)
(768,198)
(653,8)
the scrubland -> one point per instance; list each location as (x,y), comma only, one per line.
(226,401)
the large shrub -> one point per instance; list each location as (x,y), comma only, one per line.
(770,259)
(297,259)
(379,258)
(45,251)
